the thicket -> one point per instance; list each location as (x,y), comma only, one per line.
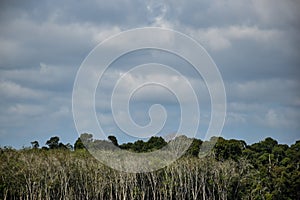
(232,170)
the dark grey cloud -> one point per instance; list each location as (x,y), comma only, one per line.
(266,13)
(121,12)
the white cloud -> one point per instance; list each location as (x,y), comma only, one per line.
(26,110)
(222,38)
(266,91)
(242,107)
(281,118)
(105,33)
(13,90)
(277,11)
(236,119)
(49,41)
(252,33)
(164,81)
(42,74)
(63,111)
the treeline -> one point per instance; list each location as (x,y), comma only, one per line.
(231,170)
(85,139)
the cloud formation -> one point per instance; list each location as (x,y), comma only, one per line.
(254,44)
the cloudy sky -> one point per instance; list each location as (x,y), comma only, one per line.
(255,45)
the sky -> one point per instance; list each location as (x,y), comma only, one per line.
(254,44)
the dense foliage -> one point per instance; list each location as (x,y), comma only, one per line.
(232,170)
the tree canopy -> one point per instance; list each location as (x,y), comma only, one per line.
(231,170)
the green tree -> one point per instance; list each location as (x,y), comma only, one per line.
(155,143)
(265,146)
(78,144)
(127,146)
(69,146)
(53,142)
(229,149)
(114,140)
(35,144)
(194,148)
(139,146)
